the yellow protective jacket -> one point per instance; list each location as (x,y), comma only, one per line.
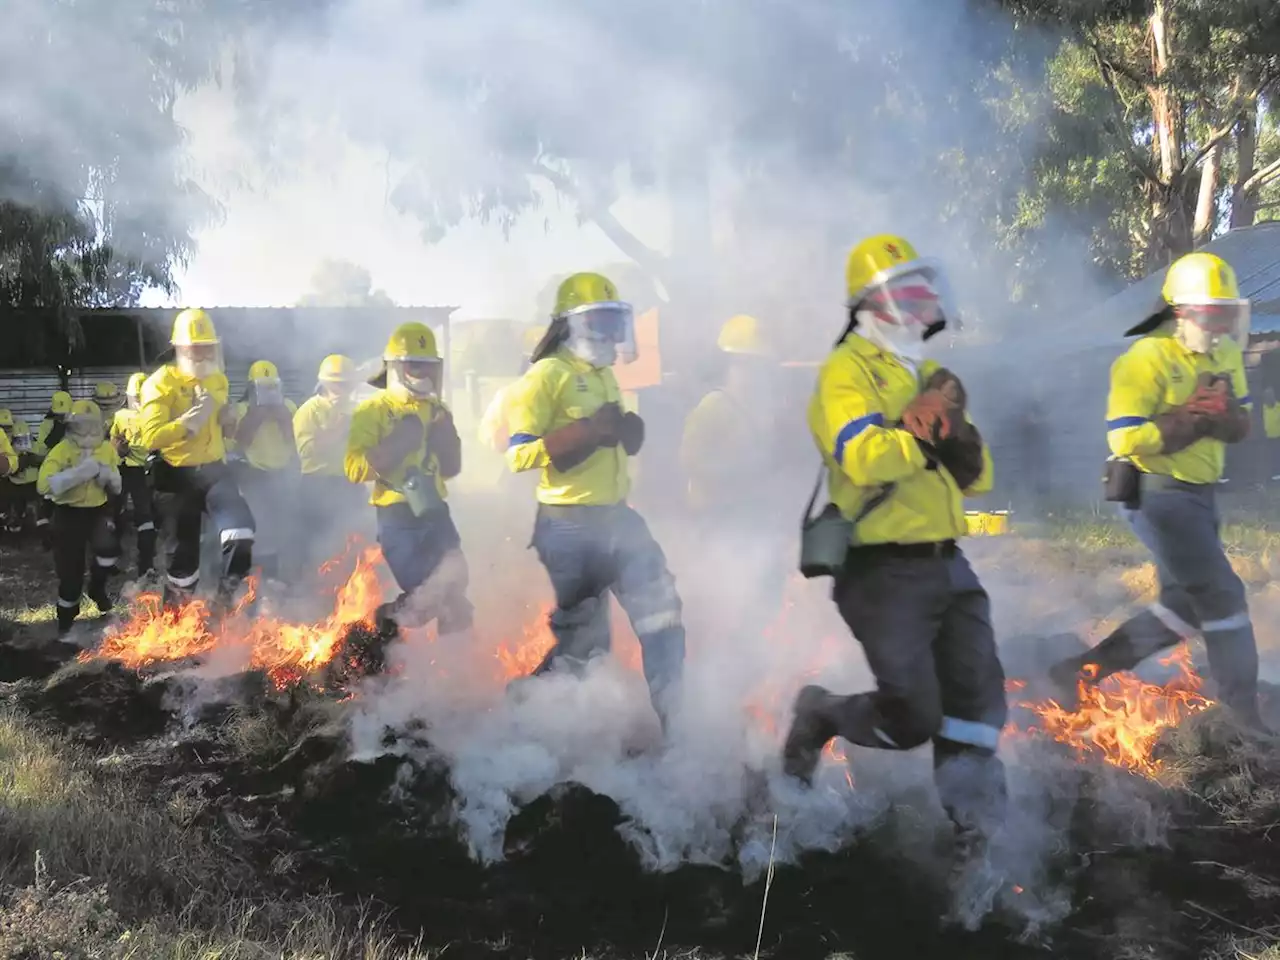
(8,456)
(320,429)
(1271,420)
(855,417)
(495,429)
(1154,375)
(269,448)
(125,425)
(166,395)
(553,392)
(372,421)
(65,455)
(42,444)
(726,451)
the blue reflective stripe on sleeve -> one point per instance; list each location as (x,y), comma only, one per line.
(1246,400)
(852,429)
(1119,423)
(519,438)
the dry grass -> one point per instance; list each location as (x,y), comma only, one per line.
(93,869)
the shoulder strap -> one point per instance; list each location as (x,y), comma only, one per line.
(882,494)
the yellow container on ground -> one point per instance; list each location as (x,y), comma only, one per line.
(991,523)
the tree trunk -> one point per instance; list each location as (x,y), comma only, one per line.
(1244,207)
(1166,108)
(1207,202)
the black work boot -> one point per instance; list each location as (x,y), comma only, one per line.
(812,725)
(98,593)
(146,554)
(66,617)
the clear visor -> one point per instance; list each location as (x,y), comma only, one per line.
(268,390)
(419,376)
(918,300)
(1228,318)
(85,430)
(609,323)
(200,359)
(22,442)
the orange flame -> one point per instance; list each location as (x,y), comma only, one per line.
(285,650)
(1121,718)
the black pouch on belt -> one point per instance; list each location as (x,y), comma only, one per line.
(1122,483)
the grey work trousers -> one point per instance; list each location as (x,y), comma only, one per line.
(1199,593)
(924,622)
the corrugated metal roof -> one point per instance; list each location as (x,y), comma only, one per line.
(1254,252)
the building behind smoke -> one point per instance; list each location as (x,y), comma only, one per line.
(115,342)
(1040,394)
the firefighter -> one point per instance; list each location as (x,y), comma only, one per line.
(264,441)
(136,484)
(320,428)
(8,470)
(403,439)
(1271,427)
(493,430)
(107,396)
(733,455)
(20,486)
(8,457)
(1178,397)
(49,435)
(566,420)
(901,454)
(182,418)
(79,476)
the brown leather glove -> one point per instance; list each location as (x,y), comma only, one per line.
(932,417)
(608,424)
(121,446)
(631,433)
(1180,428)
(961,454)
(444,442)
(949,385)
(405,437)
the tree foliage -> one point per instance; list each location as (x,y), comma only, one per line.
(341,283)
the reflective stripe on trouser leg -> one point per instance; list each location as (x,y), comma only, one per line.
(235,525)
(1180,527)
(572,545)
(647,592)
(970,777)
(1233,661)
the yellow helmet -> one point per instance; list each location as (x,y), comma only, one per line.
(105,390)
(263,370)
(901,299)
(193,327)
(411,341)
(85,408)
(1202,294)
(6,417)
(60,403)
(743,334)
(584,290)
(412,355)
(876,260)
(336,368)
(134,387)
(1199,279)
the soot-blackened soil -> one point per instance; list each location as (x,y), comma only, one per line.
(314,819)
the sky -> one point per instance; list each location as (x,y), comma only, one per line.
(270,239)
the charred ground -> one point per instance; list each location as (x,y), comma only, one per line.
(255,801)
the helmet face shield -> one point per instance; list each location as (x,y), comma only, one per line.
(603,333)
(419,376)
(900,310)
(85,430)
(199,360)
(1202,326)
(267,391)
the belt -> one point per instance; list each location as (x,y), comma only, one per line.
(580,509)
(869,551)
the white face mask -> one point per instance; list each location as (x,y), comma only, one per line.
(598,353)
(199,369)
(86,437)
(419,387)
(903,341)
